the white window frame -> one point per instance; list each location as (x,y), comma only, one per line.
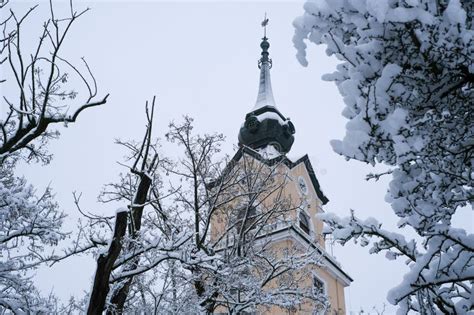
(308,216)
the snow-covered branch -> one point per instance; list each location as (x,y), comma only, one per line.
(407,80)
(37,97)
(40,79)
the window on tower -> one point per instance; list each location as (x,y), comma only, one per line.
(304,222)
(302,185)
(318,286)
(241,221)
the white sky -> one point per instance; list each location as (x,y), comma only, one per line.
(200,58)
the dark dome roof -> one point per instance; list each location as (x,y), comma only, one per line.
(268,128)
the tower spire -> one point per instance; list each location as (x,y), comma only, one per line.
(265,126)
(265,93)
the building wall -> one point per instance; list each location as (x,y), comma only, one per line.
(312,205)
(333,288)
(315,205)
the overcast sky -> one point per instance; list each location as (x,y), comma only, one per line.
(200,58)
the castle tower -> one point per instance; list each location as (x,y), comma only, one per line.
(266,136)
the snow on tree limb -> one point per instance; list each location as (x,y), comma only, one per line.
(31,222)
(40,78)
(407,79)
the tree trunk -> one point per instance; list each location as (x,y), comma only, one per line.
(105,263)
(119,296)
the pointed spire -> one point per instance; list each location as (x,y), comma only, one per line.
(264,125)
(265,93)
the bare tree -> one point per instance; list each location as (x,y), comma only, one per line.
(31,222)
(131,218)
(39,79)
(169,245)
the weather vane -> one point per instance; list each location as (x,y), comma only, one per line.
(264,25)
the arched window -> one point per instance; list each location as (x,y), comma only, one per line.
(304,222)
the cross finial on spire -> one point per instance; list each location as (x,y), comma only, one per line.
(265,45)
(264,25)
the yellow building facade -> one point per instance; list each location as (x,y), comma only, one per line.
(264,139)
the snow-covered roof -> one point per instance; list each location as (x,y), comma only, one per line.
(268,152)
(271,161)
(271,115)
